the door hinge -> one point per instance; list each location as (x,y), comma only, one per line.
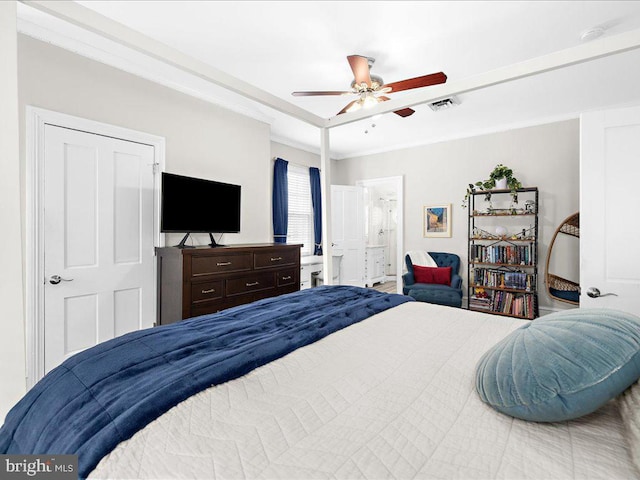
(156,168)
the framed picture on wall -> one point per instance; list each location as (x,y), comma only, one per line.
(437,220)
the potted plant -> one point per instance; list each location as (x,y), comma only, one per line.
(498,173)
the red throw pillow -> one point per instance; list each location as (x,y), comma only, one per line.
(441,275)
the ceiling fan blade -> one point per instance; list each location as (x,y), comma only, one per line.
(360,67)
(405,112)
(312,94)
(347,107)
(417,82)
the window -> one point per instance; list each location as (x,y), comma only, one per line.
(300,228)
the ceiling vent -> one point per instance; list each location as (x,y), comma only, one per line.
(444,104)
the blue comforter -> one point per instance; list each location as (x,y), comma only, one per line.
(102,396)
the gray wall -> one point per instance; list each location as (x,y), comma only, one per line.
(545,156)
(294,155)
(201,139)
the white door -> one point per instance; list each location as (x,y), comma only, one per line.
(98,239)
(609,209)
(347,232)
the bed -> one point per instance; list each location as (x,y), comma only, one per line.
(390,395)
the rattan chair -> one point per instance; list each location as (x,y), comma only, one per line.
(560,288)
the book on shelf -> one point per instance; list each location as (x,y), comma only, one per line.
(507,254)
(480,303)
(488,277)
(518,304)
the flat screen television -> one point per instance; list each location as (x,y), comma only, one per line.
(196,205)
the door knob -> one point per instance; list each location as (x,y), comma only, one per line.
(594,292)
(56,279)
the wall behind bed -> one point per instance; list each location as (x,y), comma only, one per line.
(546,156)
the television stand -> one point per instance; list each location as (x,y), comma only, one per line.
(213,243)
(182,243)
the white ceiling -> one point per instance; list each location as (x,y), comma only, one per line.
(285,46)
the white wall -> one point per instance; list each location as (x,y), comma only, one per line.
(545,156)
(201,139)
(12,344)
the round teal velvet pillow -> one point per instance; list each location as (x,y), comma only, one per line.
(561,366)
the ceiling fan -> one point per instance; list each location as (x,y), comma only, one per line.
(370,88)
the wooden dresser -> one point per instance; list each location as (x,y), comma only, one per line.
(201,280)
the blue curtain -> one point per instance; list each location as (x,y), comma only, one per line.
(280,201)
(316,199)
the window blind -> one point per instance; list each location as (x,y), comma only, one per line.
(300,228)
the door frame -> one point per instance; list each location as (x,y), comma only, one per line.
(398,182)
(37,119)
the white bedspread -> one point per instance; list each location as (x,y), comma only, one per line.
(390,397)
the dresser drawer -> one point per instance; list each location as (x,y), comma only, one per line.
(250,283)
(276,258)
(286,277)
(206,291)
(207,307)
(211,264)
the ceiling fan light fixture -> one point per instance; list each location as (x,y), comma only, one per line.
(366,100)
(369,101)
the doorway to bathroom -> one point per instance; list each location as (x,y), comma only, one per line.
(383,225)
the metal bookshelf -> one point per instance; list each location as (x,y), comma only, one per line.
(502,265)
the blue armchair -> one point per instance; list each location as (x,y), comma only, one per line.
(450,295)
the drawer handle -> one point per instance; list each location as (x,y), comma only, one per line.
(253,284)
(276,259)
(211,290)
(287,277)
(223,264)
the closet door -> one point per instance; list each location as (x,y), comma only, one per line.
(98,240)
